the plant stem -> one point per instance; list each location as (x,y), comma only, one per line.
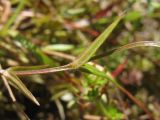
(45,71)
(139,103)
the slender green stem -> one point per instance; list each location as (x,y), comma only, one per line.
(72,65)
(82,59)
(139,103)
(45,71)
(128,46)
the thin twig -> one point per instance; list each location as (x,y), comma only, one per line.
(134,99)
(76,64)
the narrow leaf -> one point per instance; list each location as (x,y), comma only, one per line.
(16,81)
(128,46)
(138,44)
(88,53)
(58,47)
(91,69)
(82,59)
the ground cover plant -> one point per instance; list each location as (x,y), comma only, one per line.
(72,59)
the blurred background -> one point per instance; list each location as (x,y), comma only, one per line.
(54,32)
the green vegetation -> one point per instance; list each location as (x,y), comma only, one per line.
(77,46)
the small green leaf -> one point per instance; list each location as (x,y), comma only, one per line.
(75,11)
(132,16)
(110,112)
(93,70)
(92,94)
(90,51)
(155,5)
(44,58)
(58,47)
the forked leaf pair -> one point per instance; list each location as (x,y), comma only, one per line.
(18,84)
(11,74)
(82,59)
(77,63)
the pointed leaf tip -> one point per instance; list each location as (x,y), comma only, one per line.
(18,84)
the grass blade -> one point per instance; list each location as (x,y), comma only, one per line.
(128,46)
(89,52)
(17,82)
(82,59)
(138,44)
